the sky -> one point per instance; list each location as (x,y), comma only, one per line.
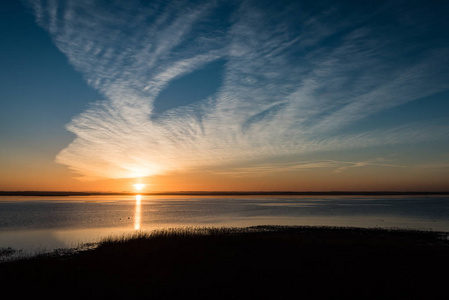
(224,95)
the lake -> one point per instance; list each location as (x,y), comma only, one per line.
(36,224)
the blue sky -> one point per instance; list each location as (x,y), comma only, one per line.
(138,89)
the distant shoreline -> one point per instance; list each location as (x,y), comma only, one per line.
(222,193)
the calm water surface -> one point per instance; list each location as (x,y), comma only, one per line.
(34,223)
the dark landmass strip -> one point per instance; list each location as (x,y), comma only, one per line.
(262,262)
(222,193)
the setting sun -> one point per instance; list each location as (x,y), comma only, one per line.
(139,186)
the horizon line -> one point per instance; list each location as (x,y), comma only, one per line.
(218,193)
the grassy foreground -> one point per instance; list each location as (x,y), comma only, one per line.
(269,262)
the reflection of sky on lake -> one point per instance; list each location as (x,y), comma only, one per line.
(55,222)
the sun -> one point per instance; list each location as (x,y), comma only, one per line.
(139,186)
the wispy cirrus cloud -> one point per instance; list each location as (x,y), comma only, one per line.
(295,79)
(335,166)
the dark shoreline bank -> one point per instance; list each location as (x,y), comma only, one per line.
(259,262)
(223,193)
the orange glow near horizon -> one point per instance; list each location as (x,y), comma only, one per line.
(139,186)
(30,177)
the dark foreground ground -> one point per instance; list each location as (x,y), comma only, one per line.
(248,263)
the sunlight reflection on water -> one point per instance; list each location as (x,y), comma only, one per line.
(138,213)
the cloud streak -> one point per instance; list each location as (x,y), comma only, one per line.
(274,168)
(293,83)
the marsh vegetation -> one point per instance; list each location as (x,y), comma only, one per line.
(248,263)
